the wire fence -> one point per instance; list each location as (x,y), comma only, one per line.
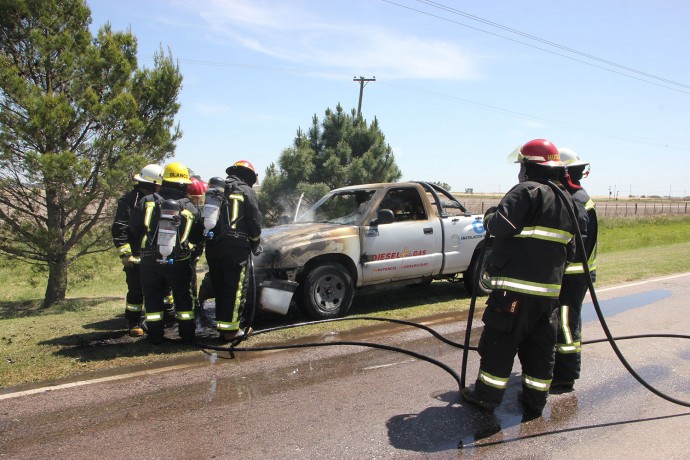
(605,208)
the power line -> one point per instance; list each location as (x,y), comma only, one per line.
(590,129)
(547,50)
(548,42)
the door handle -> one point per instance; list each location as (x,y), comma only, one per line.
(428,230)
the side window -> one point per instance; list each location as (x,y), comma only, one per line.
(406,204)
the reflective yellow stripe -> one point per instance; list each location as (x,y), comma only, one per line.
(238,295)
(125,250)
(546,233)
(569,348)
(535,383)
(225,326)
(565,326)
(236,199)
(525,287)
(185,315)
(148,212)
(150,205)
(492,380)
(188,225)
(134,307)
(154,316)
(589,205)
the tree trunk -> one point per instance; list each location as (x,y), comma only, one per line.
(57,280)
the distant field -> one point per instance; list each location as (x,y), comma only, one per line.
(621,208)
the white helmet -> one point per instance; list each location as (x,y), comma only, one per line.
(151,174)
(570,158)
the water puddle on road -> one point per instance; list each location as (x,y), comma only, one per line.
(620,304)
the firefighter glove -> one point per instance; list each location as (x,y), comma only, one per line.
(128,261)
(258,249)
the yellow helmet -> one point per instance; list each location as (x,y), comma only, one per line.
(176,172)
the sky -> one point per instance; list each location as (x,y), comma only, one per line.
(458,84)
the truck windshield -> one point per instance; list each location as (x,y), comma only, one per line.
(347,208)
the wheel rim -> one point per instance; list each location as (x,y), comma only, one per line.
(329,292)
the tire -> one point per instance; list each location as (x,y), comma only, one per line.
(327,291)
(468,276)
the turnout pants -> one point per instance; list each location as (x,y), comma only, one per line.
(569,342)
(515,324)
(227,267)
(134,301)
(156,280)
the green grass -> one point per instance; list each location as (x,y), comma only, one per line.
(87,332)
(619,234)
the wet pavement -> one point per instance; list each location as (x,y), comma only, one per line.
(354,402)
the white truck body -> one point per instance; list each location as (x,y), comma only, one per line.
(367,235)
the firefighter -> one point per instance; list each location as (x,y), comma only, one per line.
(148,181)
(196,191)
(167,224)
(234,231)
(574,288)
(533,240)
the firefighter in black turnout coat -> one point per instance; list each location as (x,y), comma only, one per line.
(148,182)
(569,346)
(533,240)
(165,223)
(236,233)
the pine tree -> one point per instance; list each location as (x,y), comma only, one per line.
(77,119)
(341,150)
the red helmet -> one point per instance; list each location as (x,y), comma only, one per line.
(197,187)
(541,152)
(245,167)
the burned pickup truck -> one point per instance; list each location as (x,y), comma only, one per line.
(366,236)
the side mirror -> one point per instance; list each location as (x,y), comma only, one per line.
(385,216)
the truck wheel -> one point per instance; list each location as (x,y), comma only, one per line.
(468,276)
(328,291)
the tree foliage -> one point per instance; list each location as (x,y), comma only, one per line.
(77,119)
(339,151)
(443,185)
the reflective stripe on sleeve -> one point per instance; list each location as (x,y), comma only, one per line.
(125,250)
(546,233)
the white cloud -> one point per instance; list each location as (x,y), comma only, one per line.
(210,108)
(285,31)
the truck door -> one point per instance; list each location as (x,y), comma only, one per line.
(410,247)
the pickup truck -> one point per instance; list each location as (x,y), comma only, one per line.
(366,236)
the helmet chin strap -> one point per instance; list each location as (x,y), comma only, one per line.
(570,182)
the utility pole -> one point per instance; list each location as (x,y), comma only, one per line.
(362,83)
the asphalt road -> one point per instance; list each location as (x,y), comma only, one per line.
(343,402)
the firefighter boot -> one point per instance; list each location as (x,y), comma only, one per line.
(155,332)
(187,330)
(531,408)
(135,329)
(469,395)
